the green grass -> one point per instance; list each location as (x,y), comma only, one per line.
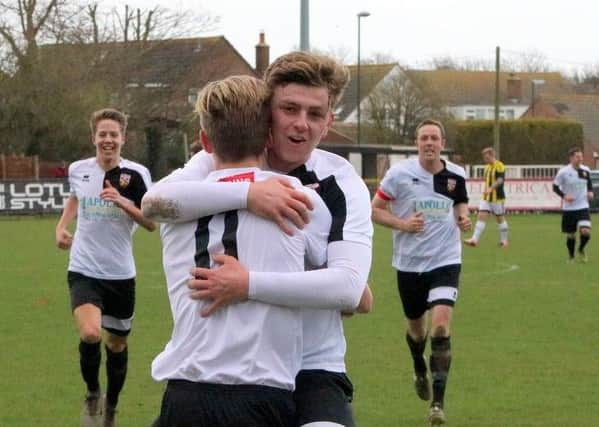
(525,336)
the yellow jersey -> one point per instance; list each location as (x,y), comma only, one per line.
(493,172)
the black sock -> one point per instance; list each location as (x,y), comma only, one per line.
(584,239)
(116,371)
(89,362)
(417,350)
(571,244)
(440,361)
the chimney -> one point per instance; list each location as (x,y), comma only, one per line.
(514,88)
(262,56)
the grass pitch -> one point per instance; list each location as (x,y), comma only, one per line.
(524,336)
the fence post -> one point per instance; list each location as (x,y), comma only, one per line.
(36,167)
(3,165)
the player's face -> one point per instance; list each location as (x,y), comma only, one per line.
(108,140)
(430,142)
(576,159)
(301,117)
(488,158)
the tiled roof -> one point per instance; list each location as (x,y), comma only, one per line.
(582,108)
(370,76)
(456,87)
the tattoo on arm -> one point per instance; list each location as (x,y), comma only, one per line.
(158,208)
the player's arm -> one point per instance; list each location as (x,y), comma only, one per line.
(112,194)
(590,194)
(460,205)
(184,196)
(339,286)
(382,215)
(274,199)
(64,238)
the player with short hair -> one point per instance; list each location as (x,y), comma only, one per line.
(106,193)
(305,87)
(573,184)
(425,202)
(493,201)
(238,366)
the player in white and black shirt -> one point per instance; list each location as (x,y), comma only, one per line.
(425,202)
(305,87)
(573,184)
(106,193)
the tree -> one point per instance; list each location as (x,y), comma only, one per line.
(397,105)
(47,94)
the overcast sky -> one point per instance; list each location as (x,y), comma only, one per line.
(412,31)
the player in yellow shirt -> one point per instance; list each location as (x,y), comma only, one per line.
(493,200)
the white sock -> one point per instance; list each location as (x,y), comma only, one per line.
(478,230)
(503,231)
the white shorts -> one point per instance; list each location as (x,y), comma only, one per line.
(496,208)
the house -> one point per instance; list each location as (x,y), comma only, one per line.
(467,95)
(581,107)
(162,76)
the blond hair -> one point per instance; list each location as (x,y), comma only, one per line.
(235,116)
(309,69)
(107,114)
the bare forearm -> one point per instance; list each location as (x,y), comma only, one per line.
(386,218)
(136,215)
(174,202)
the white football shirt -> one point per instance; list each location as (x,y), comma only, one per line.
(577,183)
(410,188)
(347,198)
(102,243)
(249,342)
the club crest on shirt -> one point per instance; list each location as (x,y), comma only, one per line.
(451,184)
(124,180)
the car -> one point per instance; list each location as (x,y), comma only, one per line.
(594,204)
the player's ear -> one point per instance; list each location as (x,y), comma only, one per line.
(206,143)
(329,123)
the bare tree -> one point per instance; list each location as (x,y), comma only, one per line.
(397,105)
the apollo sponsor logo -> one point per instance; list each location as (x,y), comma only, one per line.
(433,209)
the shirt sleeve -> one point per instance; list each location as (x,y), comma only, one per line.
(337,287)
(387,188)
(500,170)
(316,232)
(185,196)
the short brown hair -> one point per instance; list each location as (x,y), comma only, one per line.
(108,114)
(574,150)
(235,116)
(488,150)
(427,122)
(309,69)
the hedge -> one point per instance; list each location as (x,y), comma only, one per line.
(530,141)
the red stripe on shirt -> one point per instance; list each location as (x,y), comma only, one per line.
(383,196)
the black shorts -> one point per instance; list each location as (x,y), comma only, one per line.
(420,291)
(323,396)
(571,220)
(115,298)
(191,404)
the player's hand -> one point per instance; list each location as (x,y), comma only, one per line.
(415,223)
(111,194)
(488,191)
(464,223)
(64,239)
(222,285)
(590,195)
(569,198)
(277,200)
